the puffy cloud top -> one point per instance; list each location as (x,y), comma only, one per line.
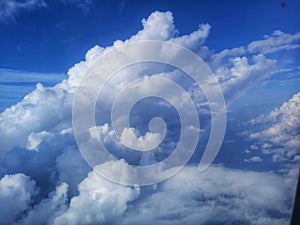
(284,127)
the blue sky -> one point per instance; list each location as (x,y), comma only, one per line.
(51,39)
(55,35)
(47,47)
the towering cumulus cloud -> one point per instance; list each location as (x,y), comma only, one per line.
(45,180)
(282,125)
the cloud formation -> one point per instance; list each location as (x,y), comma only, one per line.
(276,42)
(99,201)
(217,196)
(280,136)
(39,152)
(48,208)
(16,193)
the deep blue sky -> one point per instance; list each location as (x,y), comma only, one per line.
(51,39)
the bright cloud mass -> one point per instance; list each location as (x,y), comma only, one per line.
(45,180)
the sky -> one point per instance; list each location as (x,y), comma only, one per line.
(50,48)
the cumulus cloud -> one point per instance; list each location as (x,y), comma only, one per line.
(75,195)
(280,136)
(216,196)
(69,163)
(49,208)
(195,39)
(222,57)
(158,26)
(9,9)
(253,159)
(16,193)
(235,70)
(34,140)
(41,110)
(242,74)
(130,137)
(99,201)
(276,42)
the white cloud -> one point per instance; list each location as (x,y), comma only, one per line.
(195,39)
(34,139)
(43,109)
(158,26)
(217,196)
(222,57)
(241,72)
(253,159)
(9,9)
(48,209)
(99,202)
(276,42)
(16,193)
(131,137)
(42,120)
(71,168)
(281,130)
(278,137)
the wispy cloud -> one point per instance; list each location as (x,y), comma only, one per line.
(84,5)
(9,9)
(275,42)
(15,84)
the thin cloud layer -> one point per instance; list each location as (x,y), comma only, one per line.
(15,84)
(9,9)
